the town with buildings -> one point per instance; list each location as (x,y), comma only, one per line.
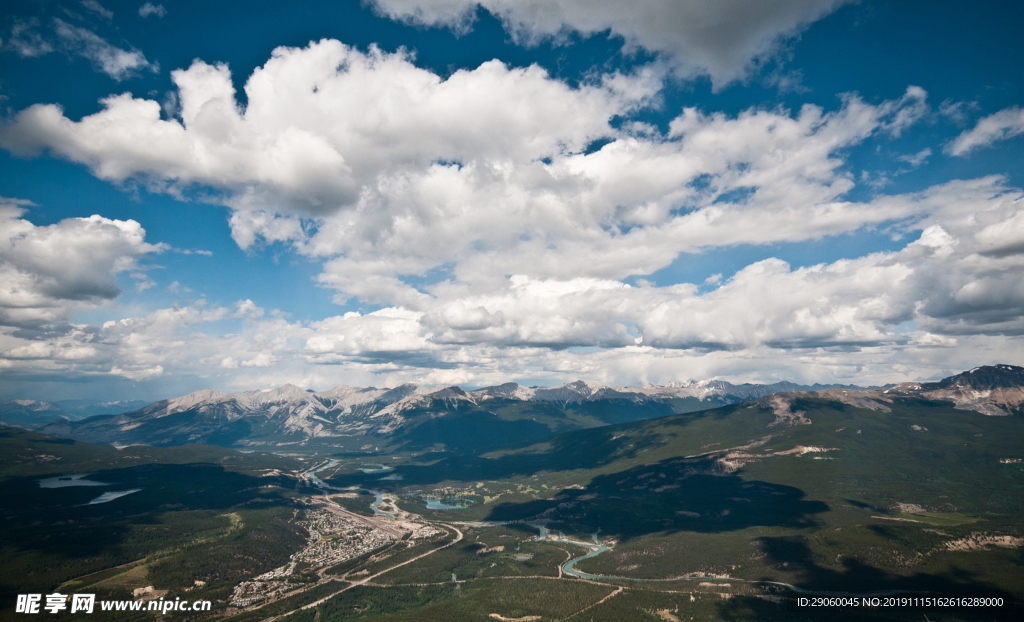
(333,537)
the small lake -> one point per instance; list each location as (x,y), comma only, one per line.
(374,469)
(63,481)
(454,503)
(110,496)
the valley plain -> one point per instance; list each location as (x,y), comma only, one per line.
(601,504)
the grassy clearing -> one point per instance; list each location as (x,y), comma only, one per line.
(941,519)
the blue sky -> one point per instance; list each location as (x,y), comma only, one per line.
(474,192)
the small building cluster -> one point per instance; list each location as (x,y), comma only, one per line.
(333,538)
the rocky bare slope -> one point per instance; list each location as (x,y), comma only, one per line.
(290,414)
(993,390)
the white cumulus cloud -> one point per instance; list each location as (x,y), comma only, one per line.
(46,271)
(385,169)
(117,63)
(998,126)
(149,8)
(98,9)
(720,39)
(26,40)
(476,214)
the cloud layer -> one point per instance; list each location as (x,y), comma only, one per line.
(503,221)
(939,302)
(49,271)
(386,170)
(720,39)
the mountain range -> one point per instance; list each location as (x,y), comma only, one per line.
(33,414)
(413,417)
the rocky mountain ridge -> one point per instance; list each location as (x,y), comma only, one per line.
(992,390)
(995,390)
(289,414)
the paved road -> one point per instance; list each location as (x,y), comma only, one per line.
(458,538)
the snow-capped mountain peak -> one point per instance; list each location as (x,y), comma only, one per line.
(289,413)
(192,400)
(508,391)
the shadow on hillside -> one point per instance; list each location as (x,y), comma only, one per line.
(858,577)
(471,433)
(474,431)
(582,449)
(678,494)
(61,521)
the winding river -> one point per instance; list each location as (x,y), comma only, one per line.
(568,567)
(321,484)
(596,549)
(375,506)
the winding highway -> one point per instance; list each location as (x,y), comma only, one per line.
(458,538)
